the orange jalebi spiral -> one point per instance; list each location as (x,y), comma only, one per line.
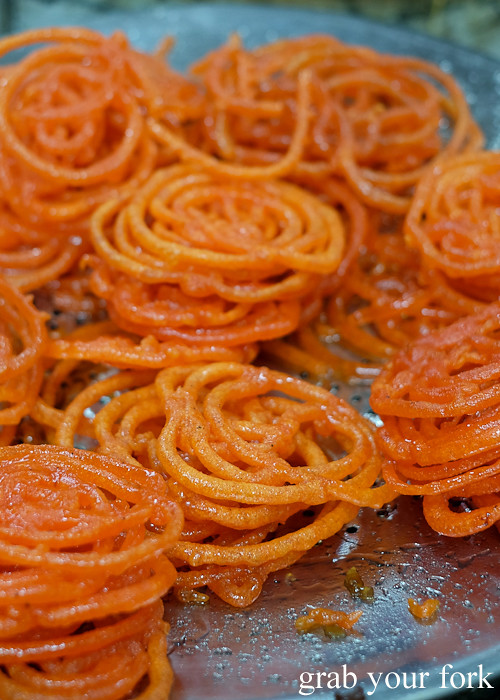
(198,259)
(104,342)
(68,407)
(82,543)
(23,340)
(73,135)
(440,404)
(386,299)
(112,662)
(31,255)
(245,449)
(355,219)
(454,221)
(315,105)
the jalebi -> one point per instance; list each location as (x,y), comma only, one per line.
(245,449)
(23,340)
(440,404)
(82,573)
(318,106)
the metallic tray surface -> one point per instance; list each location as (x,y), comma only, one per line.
(221,653)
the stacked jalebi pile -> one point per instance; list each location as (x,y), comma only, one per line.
(331,116)
(315,106)
(73,135)
(246,450)
(285,215)
(440,404)
(83,570)
(23,339)
(206,267)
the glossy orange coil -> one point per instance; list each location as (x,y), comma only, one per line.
(440,404)
(73,135)
(315,105)
(454,223)
(387,298)
(31,255)
(199,259)
(23,340)
(83,570)
(65,380)
(245,449)
(104,342)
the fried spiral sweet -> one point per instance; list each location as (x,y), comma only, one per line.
(104,342)
(440,404)
(32,255)
(71,122)
(23,340)
(73,135)
(370,118)
(245,449)
(110,663)
(82,543)
(240,467)
(387,298)
(197,259)
(454,222)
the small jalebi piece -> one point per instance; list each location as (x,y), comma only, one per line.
(330,621)
(198,149)
(201,260)
(82,573)
(440,404)
(245,449)
(23,340)
(427,610)
(386,299)
(318,106)
(453,220)
(73,135)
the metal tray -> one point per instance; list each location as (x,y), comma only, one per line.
(221,653)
